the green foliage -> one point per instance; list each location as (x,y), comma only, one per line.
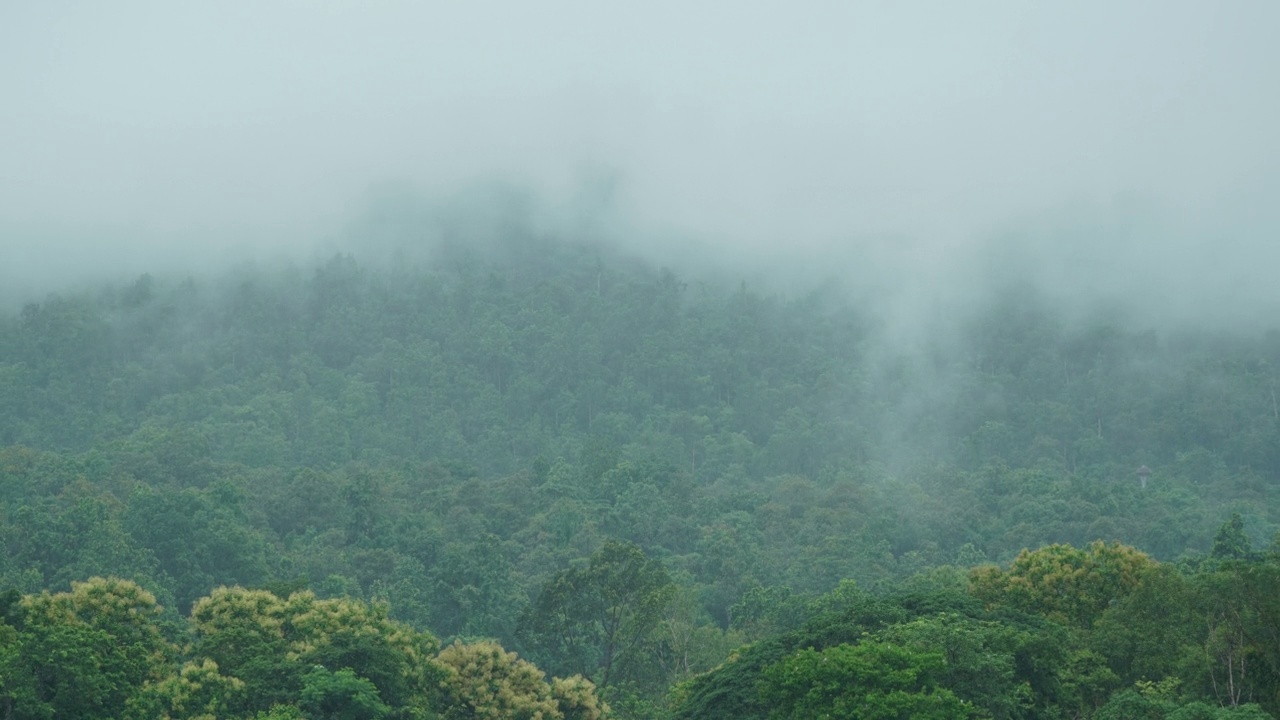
(20,688)
(1154,632)
(764,611)
(871,680)
(82,654)
(281,712)
(577,700)
(1130,705)
(1085,682)
(979,660)
(274,645)
(340,695)
(228,552)
(486,682)
(1065,583)
(1230,542)
(598,616)
(99,651)
(197,690)
(731,690)
(624,473)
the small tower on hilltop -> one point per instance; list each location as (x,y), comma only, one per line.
(1143,473)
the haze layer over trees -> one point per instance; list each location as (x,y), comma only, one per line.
(693,498)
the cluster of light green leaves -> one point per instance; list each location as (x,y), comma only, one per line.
(103,650)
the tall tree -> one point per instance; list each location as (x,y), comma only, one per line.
(596,616)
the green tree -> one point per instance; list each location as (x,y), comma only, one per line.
(487,683)
(87,652)
(979,660)
(592,619)
(1150,634)
(195,692)
(1231,542)
(340,695)
(1064,583)
(271,644)
(19,686)
(871,680)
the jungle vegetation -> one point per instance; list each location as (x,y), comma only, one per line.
(557,481)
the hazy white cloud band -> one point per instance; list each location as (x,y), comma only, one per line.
(172,128)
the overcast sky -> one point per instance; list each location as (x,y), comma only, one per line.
(158,127)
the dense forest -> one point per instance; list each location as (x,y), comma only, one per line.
(552,480)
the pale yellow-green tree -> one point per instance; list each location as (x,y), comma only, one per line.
(577,699)
(485,682)
(1065,583)
(121,608)
(271,643)
(92,649)
(197,692)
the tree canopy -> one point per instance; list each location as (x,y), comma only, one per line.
(270,492)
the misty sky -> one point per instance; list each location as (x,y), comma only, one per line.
(136,128)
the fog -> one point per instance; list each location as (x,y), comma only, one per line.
(1111,150)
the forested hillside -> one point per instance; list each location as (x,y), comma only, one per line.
(627,474)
